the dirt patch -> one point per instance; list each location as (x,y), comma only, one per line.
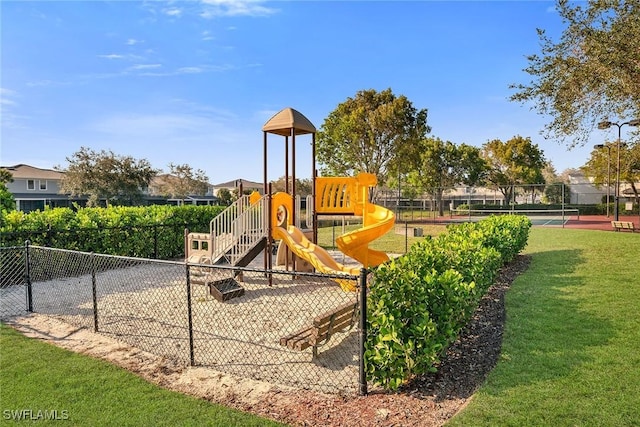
(428,400)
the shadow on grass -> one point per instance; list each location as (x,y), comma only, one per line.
(547,334)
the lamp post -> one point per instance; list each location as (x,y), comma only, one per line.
(608,147)
(606,125)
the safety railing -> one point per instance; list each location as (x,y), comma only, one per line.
(336,195)
(221,228)
(248,229)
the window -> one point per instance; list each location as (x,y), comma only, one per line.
(31,184)
(43,185)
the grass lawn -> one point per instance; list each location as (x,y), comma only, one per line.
(571,349)
(390,242)
(37,376)
(570,356)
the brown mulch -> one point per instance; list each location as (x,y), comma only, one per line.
(428,400)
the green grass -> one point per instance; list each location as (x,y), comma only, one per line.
(390,242)
(570,356)
(38,376)
(571,348)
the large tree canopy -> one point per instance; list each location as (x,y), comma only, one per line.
(592,73)
(105,175)
(442,165)
(303,186)
(602,166)
(372,132)
(184,181)
(515,162)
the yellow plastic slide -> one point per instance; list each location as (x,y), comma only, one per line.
(377,221)
(343,195)
(317,256)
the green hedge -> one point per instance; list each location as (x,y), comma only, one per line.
(147,231)
(419,302)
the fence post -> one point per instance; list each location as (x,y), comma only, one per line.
(94,291)
(189,315)
(406,236)
(155,241)
(27,276)
(362,330)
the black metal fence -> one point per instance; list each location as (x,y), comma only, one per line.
(235,320)
(157,241)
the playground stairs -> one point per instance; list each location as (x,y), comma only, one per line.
(240,232)
(235,238)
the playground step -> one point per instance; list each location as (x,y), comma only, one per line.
(249,253)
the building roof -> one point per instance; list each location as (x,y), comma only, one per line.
(236,183)
(23,171)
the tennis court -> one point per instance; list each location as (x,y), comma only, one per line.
(538,217)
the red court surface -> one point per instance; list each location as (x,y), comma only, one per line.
(601,222)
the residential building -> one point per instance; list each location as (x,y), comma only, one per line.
(35,188)
(232,186)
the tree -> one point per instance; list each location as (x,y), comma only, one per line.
(513,163)
(303,186)
(555,186)
(225,196)
(373,132)
(105,175)
(442,165)
(632,170)
(184,181)
(599,166)
(7,202)
(591,73)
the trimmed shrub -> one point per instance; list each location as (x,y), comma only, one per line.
(130,231)
(419,302)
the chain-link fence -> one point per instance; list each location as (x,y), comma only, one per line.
(266,325)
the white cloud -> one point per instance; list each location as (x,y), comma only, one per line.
(126,57)
(206,35)
(8,118)
(7,102)
(174,11)
(5,94)
(132,42)
(193,70)
(112,56)
(215,8)
(190,70)
(145,66)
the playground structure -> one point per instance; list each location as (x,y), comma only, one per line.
(251,224)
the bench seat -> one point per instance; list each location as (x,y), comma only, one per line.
(322,328)
(623,225)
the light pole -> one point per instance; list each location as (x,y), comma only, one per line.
(606,125)
(608,147)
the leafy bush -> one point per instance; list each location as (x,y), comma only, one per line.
(419,302)
(131,231)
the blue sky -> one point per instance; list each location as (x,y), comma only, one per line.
(194,82)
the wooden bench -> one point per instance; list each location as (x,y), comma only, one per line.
(323,327)
(623,225)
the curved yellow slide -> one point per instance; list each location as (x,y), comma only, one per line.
(317,256)
(377,222)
